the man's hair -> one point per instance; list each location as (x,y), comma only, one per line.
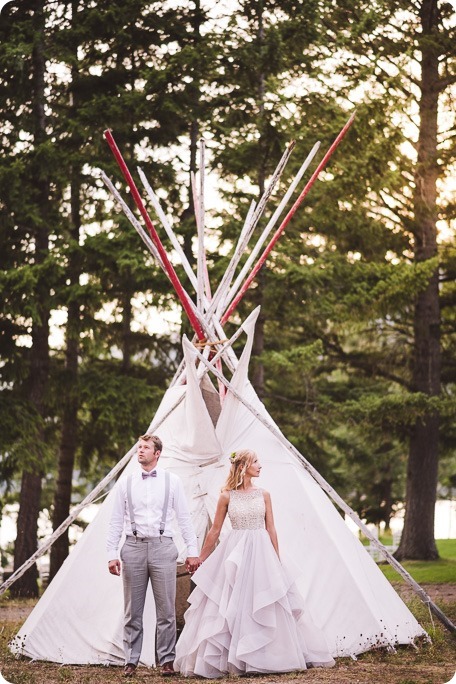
(153,438)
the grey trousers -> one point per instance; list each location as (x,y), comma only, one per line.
(151,559)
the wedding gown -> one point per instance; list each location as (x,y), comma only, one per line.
(245,613)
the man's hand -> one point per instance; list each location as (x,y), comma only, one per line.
(192,564)
(114,567)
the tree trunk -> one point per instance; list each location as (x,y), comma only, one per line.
(68,442)
(127,315)
(417,540)
(30,496)
(27,534)
(258,342)
(386,497)
(187,219)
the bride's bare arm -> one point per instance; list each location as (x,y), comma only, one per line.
(214,533)
(269,522)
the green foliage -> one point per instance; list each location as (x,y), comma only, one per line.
(116,409)
(337,292)
(104,69)
(399,409)
(21,428)
(299,359)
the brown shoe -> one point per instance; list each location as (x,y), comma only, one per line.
(167,669)
(130,670)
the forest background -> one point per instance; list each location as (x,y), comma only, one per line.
(355,348)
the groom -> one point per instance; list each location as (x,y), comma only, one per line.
(143,508)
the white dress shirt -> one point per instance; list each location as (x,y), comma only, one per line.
(148,497)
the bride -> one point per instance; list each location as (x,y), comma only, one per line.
(245,613)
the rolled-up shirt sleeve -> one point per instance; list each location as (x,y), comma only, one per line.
(184,520)
(116,524)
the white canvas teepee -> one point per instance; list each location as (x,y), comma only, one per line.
(79,617)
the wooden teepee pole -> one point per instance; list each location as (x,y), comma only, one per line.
(185,301)
(254,253)
(207,319)
(287,219)
(196,202)
(203,273)
(199,213)
(196,319)
(250,227)
(110,476)
(132,218)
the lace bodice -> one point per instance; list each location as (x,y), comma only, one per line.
(246,510)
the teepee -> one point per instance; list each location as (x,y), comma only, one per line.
(202,418)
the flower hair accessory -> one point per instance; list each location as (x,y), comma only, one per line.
(233,456)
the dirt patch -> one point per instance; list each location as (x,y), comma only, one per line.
(353,673)
(439,593)
(15,612)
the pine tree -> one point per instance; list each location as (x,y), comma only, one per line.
(252,121)
(108,80)
(31,212)
(386,32)
(369,276)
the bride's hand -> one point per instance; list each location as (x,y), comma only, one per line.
(192,564)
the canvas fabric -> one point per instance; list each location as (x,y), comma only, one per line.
(79,619)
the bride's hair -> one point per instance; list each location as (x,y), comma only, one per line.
(240,461)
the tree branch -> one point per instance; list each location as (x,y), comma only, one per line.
(445,82)
(366,367)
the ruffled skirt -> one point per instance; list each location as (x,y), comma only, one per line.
(246,615)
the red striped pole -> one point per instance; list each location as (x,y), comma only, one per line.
(154,235)
(285,221)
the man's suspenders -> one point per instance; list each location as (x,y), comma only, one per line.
(165,505)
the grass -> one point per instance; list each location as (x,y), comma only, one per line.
(445,547)
(441,571)
(430,663)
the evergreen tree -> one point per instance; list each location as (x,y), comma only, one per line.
(30,184)
(106,60)
(251,116)
(351,297)
(417,81)
(95,73)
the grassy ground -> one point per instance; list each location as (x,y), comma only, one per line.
(430,663)
(424,572)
